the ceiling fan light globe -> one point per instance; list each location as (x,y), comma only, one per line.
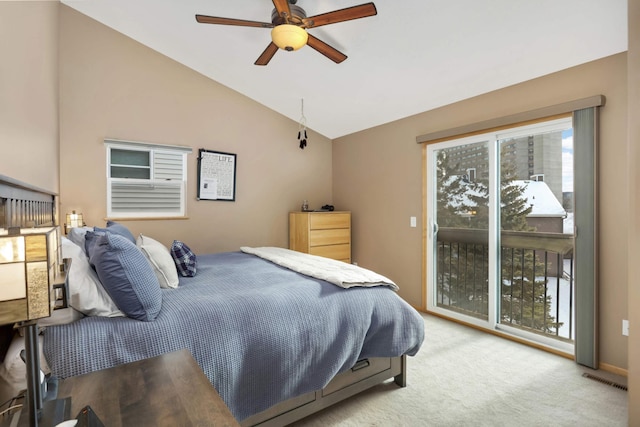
(289,37)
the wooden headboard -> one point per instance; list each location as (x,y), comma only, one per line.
(23,205)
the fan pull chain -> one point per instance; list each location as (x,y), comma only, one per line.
(302,127)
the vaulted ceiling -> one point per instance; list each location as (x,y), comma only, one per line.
(413,56)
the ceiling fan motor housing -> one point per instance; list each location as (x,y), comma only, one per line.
(297,15)
(288,33)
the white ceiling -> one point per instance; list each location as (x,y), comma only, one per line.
(413,56)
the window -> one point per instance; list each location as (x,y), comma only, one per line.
(471,174)
(145,180)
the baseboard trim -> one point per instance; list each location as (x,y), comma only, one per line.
(614,369)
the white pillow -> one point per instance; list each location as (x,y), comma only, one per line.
(161,261)
(13,371)
(86,293)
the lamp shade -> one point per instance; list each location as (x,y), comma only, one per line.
(73,220)
(289,37)
(28,267)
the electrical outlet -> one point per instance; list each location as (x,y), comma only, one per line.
(412,221)
(625,328)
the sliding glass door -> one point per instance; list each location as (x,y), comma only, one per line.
(500,236)
(459,228)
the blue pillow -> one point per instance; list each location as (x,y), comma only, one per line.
(184,258)
(117,228)
(76,235)
(90,239)
(125,274)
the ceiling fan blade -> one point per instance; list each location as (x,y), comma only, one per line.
(203,19)
(282,6)
(266,56)
(354,12)
(328,51)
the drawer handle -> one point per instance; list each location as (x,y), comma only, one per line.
(360,364)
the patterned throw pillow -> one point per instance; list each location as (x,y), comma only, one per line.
(185,259)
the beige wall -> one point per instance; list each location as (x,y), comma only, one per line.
(633,161)
(29,92)
(113,87)
(378,176)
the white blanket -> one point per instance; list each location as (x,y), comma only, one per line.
(337,272)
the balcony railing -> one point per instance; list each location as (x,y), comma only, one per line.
(536,278)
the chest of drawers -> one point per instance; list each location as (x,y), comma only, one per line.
(326,234)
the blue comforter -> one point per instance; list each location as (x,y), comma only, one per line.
(261,333)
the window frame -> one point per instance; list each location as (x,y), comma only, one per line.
(586,118)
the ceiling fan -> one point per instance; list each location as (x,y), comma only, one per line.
(289,24)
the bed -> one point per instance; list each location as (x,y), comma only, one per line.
(276,344)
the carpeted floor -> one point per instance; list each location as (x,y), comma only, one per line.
(464,377)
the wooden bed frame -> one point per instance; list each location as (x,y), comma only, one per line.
(365,374)
(22,205)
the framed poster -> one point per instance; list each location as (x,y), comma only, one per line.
(216,175)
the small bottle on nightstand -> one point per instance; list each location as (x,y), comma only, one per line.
(305,206)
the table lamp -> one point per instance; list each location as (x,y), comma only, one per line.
(73,220)
(29,269)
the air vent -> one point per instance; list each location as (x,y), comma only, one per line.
(605,381)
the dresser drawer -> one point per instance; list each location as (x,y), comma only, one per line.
(322,221)
(326,234)
(333,236)
(339,252)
